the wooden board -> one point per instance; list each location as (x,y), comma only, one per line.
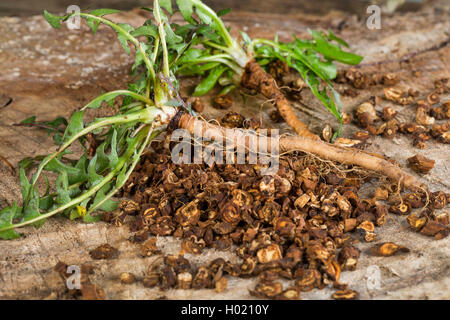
(49,73)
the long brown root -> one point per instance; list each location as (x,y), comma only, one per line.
(254,77)
(320,149)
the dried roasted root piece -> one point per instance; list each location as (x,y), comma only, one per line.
(151,280)
(416,223)
(398,96)
(127,278)
(347,294)
(421,164)
(348,257)
(423,118)
(105,251)
(401,208)
(222,101)
(387,249)
(221,284)
(433,228)
(184,280)
(291,293)
(290,226)
(196,104)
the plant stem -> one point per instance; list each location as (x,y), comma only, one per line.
(132,94)
(128,36)
(234,49)
(216,46)
(162,35)
(221,58)
(219,23)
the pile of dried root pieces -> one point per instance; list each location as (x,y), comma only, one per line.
(301,224)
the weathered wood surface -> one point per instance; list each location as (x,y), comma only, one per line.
(50,73)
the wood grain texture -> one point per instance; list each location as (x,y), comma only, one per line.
(49,73)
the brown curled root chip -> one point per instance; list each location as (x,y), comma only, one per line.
(221,284)
(127,278)
(416,223)
(421,164)
(105,251)
(291,293)
(387,249)
(222,101)
(346,294)
(432,228)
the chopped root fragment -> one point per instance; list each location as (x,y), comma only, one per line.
(387,249)
(421,164)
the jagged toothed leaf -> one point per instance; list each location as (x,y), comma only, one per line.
(208,83)
(246,38)
(52,126)
(53,20)
(223,12)
(29,120)
(191,54)
(80,174)
(314,84)
(31,199)
(88,218)
(6,217)
(47,185)
(102,159)
(123,38)
(170,35)
(332,36)
(148,31)
(186,8)
(93,24)
(75,125)
(204,16)
(93,177)
(62,188)
(57,165)
(107,97)
(113,157)
(327,69)
(31,208)
(121,177)
(166,4)
(56,122)
(46,202)
(103,12)
(198,69)
(107,204)
(25,185)
(139,59)
(208,33)
(332,51)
